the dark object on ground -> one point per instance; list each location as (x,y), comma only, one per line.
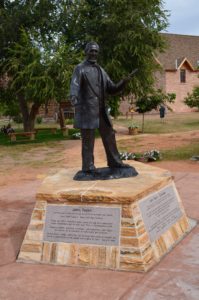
(162,111)
(106,174)
(195,157)
(7,129)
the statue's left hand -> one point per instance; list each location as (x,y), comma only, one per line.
(129,76)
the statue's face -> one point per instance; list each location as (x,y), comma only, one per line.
(92,54)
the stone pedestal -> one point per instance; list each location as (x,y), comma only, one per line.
(123,224)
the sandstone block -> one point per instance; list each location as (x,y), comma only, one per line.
(135,242)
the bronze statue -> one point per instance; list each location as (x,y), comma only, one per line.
(90,85)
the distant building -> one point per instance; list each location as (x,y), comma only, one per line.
(180,69)
(179,75)
(180,63)
(52,110)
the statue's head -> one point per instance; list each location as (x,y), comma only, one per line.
(91,51)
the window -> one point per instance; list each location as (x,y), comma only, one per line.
(182,76)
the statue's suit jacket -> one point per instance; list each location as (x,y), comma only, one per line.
(90,102)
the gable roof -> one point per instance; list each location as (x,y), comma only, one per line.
(180,48)
(182,61)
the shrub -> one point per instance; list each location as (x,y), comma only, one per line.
(18,119)
(39,119)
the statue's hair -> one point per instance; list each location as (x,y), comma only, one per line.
(89,46)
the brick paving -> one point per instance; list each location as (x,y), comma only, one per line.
(175,277)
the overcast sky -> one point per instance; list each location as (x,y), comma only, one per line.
(184,16)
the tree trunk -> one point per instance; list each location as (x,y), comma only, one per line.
(28,117)
(142,123)
(33,113)
(61,117)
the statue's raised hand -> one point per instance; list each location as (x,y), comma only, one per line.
(129,76)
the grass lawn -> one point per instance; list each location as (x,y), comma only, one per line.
(41,137)
(181,153)
(172,122)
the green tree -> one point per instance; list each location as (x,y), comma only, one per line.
(28,83)
(128,33)
(36,76)
(32,16)
(149,102)
(32,43)
(25,27)
(192,100)
(35,60)
(60,67)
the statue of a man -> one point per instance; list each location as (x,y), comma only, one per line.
(90,85)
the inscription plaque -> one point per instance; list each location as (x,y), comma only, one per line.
(160,211)
(82,225)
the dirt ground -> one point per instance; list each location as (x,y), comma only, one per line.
(144,142)
(169,141)
(22,170)
(18,165)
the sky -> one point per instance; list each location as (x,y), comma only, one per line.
(184,16)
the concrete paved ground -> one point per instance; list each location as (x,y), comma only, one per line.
(175,277)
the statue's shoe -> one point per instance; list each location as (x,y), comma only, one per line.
(119,165)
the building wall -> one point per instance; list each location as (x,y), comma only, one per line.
(125,104)
(169,82)
(173,85)
(160,80)
(179,48)
(52,109)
